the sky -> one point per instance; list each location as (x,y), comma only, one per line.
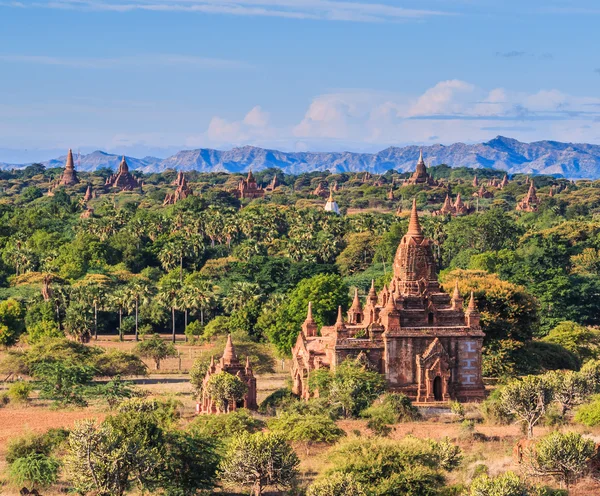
(151,77)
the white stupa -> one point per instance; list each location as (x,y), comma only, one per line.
(331,205)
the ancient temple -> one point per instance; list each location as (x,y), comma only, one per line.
(123,179)
(90,194)
(420,176)
(230,363)
(321,191)
(69,175)
(414,333)
(456,208)
(504,182)
(247,188)
(182,191)
(531,202)
(483,193)
(390,195)
(331,205)
(273,185)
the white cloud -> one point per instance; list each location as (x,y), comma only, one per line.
(254,126)
(333,10)
(446,97)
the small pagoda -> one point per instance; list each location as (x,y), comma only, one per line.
(230,364)
(247,188)
(181,193)
(69,175)
(123,179)
(531,202)
(420,176)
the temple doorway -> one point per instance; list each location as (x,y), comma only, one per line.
(437,389)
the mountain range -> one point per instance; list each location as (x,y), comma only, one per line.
(571,160)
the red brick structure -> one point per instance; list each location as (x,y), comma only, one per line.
(69,175)
(247,188)
(183,190)
(456,208)
(419,337)
(123,179)
(420,175)
(531,202)
(229,363)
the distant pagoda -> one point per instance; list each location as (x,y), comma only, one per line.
(69,175)
(123,179)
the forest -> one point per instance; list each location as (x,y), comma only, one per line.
(123,267)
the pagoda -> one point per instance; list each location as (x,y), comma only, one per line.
(331,205)
(420,176)
(69,175)
(416,335)
(123,179)
(531,202)
(247,188)
(181,193)
(230,364)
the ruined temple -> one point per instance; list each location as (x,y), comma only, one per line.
(230,363)
(247,188)
(504,182)
(531,202)
(456,208)
(69,175)
(183,190)
(321,191)
(273,185)
(123,179)
(483,193)
(414,333)
(420,176)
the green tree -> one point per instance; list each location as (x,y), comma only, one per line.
(36,471)
(580,340)
(225,389)
(507,484)
(326,292)
(11,321)
(527,399)
(260,460)
(63,382)
(306,429)
(78,322)
(338,484)
(155,349)
(564,456)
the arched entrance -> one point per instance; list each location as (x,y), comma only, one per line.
(437,389)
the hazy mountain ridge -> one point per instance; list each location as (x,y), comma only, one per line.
(542,157)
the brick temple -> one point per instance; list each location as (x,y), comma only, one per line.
(419,337)
(230,364)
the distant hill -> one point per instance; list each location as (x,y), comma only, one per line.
(542,157)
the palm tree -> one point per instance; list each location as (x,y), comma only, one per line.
(240,293)
(93,289)
(168,296)
(118,301)
(138,292)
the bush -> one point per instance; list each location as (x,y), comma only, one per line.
(338,484)
(35,444)
(388,410)
(306,429)
(275,401)
(4,399)
(219,326)
(564,456)
(198,373)
(589,414)
(228,425)
(507,484)
(458,409)
(156,349)
(35,470)
(44,329)
(19,391)
(492,410)
(119,363)
(582,341)
(194,330)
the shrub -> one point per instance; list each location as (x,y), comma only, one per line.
(276,401)
(198,373)
(579,340)
(35,444)
(390,409)
(228,425)
(119,363)
(492,410)
(156,349)
(35,470)
(564,456)
(44,329)
(4,399)
(338,484)
(63,382)
(458,409)
(19,391)
(260,460)
(307,429)
(589,413)
(507,484)
(194,330)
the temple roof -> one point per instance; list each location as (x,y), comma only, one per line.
(229,355)
(70,164)
(414,227)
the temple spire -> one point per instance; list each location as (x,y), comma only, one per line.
(472,307)
(309,314)
(414,227)
(340,319)
(70,164)
(229,355)
(421,161)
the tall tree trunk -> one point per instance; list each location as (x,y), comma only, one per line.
(181,269)
(120,323)
(201,316)
(96,320)
(173,319)
(185,323)
(136,319)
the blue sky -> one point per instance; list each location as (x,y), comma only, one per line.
(155,76)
